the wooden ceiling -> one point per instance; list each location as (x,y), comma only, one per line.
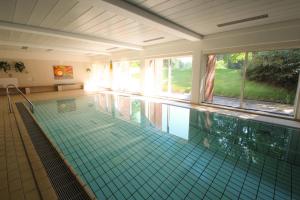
(202,16)
(125,22)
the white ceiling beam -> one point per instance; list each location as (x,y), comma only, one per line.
(67,35)
(31,45)
(143,16)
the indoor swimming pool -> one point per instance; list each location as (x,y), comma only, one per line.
(128,148)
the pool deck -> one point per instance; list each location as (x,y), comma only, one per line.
(18,161)
(22,174)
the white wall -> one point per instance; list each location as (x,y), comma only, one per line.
(39,67)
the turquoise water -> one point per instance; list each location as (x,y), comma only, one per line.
(126,148)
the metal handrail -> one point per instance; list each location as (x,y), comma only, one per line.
(21,93)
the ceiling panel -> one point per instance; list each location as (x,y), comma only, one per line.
(88,18)
(104,25)
(78,17)
(202,16)
(71,15)
(29,39)
(41,10)
(4,35)
(85,18)
(38,50)
(81,17)
(60,9)
(7,9)
(23,11)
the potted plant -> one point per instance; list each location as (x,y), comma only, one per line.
(4,66)
(19,66)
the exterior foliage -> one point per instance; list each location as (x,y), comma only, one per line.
(278,68)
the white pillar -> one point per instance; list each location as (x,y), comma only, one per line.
(297,101)
(202,75)
(196,74)
(143,75)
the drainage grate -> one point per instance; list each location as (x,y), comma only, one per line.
(62,179)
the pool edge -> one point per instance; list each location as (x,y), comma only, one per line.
(78,179)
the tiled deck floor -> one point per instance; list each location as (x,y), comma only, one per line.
(270,107)
(17,180)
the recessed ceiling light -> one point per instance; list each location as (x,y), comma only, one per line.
(154,39)
(243,20)
(24,47)
(111,48)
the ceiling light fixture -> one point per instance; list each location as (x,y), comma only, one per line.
(154,39)
(243,20)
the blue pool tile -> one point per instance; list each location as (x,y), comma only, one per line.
(232,158)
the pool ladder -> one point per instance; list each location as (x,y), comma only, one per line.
(19,92)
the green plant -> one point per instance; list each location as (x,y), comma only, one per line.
(278,68)
(19,66)
(4,66)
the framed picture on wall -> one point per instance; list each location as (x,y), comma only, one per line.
(62,72)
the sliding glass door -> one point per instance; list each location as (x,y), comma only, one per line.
(127,76)
(263,80)
(271,80)
(224,79)
(169,77)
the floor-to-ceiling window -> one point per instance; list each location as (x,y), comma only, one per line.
(224,83)
(127,76)
(170,77)
(258,80)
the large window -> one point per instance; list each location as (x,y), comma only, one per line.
(171,77)
(262,80)
(226,74)
(127,76)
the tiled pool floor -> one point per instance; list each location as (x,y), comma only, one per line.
(131,149)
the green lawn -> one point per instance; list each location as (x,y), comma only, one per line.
(181,80)
(228,83)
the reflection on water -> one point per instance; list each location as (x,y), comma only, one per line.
(116,139)
(250,138)
(169,119)
(66,105)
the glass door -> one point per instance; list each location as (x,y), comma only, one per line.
(263,81)
(169,77)
(224,79)
(271,81)
(127,76)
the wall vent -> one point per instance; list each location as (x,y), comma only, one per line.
(111,48)
(243,20)
(154,39)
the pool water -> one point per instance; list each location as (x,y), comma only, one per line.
(126,148)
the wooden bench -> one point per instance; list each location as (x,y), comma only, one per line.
(44,88)
(69,86)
